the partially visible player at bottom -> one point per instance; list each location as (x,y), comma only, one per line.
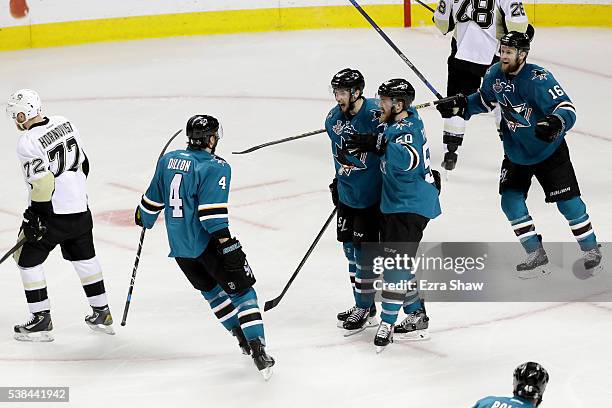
(192,187)
(55,168)
(410,192)
(530,380)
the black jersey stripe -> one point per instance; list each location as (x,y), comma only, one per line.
(212,211)
(149,206)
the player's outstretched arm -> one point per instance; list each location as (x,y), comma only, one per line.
(151,203)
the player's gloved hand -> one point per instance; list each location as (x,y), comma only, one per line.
(454,107)
(233,257)
(368,142)
(437,180)
(333,189)
(549,128)
(138,217)
(32,226)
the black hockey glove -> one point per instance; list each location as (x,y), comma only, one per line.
(368,142)
(233,257)
(333,189)
(437,180)
(32,226)
(549,128)
(138,217)
(455,107)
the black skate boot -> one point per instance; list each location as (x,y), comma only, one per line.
(592,260)
(535,265)
(384,336)
(342,316)
(100,320)
(242,341)
(263,361)
(414,326)
(359,320)
(38,328)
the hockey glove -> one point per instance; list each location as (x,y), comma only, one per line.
(333,189)
(549,128)
(368,142)
(32,226)
(238,273)
(437,180)
(455,107)
(138,217)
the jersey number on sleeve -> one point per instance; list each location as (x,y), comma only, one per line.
(482,12)
(175,198)
(59,153)
(426,162)
(557,90)
(36,165)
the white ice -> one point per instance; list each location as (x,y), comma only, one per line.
(128,98)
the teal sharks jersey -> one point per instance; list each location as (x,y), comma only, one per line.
(359,178)
(524,99)
(503,402)
(192,188)
(408,184)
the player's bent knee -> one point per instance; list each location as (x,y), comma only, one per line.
(572,208)
(513,204)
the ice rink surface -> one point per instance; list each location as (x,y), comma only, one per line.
(128,98)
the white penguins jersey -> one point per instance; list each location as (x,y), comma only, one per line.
(479,24)
(54,165)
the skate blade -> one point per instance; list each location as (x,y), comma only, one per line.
(538,272)
(416,335)
(37,337)
(266,373)
(102,328)
(371,322)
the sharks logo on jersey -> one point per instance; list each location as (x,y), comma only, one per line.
(348,161)
(516,115)
(540,74)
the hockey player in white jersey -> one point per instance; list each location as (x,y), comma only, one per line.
(477,26)
(55,169)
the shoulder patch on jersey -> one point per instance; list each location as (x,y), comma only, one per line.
(540,74)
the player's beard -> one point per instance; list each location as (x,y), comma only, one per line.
(511,66)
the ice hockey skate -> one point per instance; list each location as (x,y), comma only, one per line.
(262,360)
(536,265)
(359,320)
(342,316)
(37,329)
(384,336)
(592,261)
(413,327)
(242,341)
(100,320)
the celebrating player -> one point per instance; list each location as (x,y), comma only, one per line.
(192,187)
(356,190)
(537,114)
(477,27)
(55,167)
(530,380)
(409,200)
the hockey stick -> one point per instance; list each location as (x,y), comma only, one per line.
(14,249)
(139,250)
(287,139)
(433,103)
(274,302)
(425,5)
(397,50)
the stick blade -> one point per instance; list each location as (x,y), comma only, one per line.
(270,304)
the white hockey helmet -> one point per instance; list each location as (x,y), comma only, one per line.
(24,101)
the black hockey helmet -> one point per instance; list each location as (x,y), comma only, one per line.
(348,79)
(398,88)
(199,130)
(530,381)
(520,41)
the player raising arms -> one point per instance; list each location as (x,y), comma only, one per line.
(55,167)
(409,200)
(192,187)
(477,26)
(537,114)
(356,190)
